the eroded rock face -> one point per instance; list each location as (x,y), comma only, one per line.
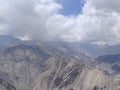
(6,85)
(32,68)
(5,82)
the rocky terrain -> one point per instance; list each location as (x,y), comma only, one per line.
(24,67)
(109,63)
(44,66)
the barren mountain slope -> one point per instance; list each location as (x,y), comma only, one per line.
(25,67)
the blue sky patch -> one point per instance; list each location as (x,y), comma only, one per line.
(71,7)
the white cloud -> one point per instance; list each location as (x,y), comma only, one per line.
(44,8)
(40,19)
(104,20)
(107,6)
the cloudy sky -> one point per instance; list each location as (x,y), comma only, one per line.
(94,21)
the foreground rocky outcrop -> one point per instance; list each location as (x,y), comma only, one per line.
(25,67)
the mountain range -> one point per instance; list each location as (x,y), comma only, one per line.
(36,65)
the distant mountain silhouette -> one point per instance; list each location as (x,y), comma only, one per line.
(7,41)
